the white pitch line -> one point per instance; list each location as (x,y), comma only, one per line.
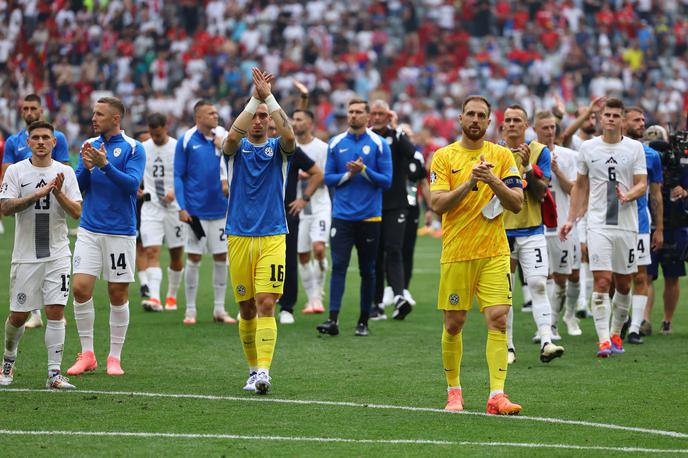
(10,432)
(208,397)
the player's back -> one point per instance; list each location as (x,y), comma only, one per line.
(320,200)
(41,229)
(158,177)
(609,166)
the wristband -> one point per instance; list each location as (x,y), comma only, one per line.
(272,104)
(252,105)
(528,169)
(306,198)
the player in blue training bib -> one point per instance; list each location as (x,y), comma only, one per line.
(256,223)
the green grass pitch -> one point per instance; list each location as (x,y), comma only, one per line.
(353,394)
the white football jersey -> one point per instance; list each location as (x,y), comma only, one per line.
(41,230)
(158,176)
(608,166)
(567,159)
(320,200)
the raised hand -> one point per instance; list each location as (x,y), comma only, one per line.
(597,104)
(57,183)
(303,90)
(523,151)
(262,81)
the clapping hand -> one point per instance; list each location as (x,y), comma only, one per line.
(262,83)
(482,171)
(355,167)
(97,157)
(57,183)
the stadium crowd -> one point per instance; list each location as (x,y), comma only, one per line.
(423,57)
(104,66)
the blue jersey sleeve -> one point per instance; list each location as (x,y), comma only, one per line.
(381,178)
(83,176)
(180,173)
(131,177)
(655,169)
(332,175)
(61,150)
(10,147)
(545,162)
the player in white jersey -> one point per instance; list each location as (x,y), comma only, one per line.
(315,217)
(40,191)
(611,175)
(160,215)
(564,285)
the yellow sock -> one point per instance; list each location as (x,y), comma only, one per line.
(266,337)
(452,350)
(247,334)
(497,357)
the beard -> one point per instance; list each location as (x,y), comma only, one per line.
(635,134)
(590,130)
(473,135)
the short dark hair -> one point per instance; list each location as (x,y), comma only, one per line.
(199,104)
(33,98)
(516,106)
(635,108)
(356,100)
(479,98)
(156,120)
(40,125)
(308,113)
(613,102)
(113,102)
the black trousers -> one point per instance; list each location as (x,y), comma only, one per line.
(410,236)
(389,254)
(291,277)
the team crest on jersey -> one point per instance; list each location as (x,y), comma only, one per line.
(21,298)
(269,152)
(453,298)
(241,290)
(366,149)
(117,152)
(433,177)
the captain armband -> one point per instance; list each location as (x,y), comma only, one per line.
(513,182)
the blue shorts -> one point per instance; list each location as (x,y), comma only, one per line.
(672,255)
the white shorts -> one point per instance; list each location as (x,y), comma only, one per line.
(564,256)
(113,256)
(643,250)
(33,285)
(531,252)
(612,250)
(169,228)
(313,228)
(214,242)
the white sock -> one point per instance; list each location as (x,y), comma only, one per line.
(85,315)
(220,284)
(36,314)
(638,310)
(510,329)
(495,393)
(542,311)
(119,322)
(557,302)
(572,295)
(307,278)
(154,279)
(526,293)
(601,311)
(54,342)
(12,337)
(143,277)
(320,273)
(588,284)
(550,289)
(174,278)
(191,279)
(621,304)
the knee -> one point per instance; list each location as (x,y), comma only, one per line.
(265,304)
(602,283)
(81,292)
(537,285)
(247,310)
(498,322)
(119,293)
